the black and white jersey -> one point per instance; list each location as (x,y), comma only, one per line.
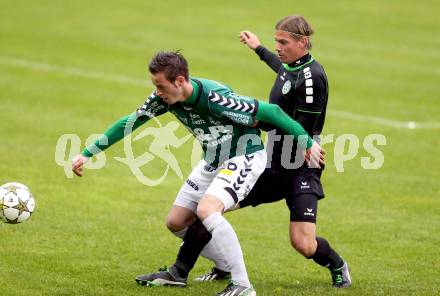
(301,90)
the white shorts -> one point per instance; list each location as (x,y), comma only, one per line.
(230,182)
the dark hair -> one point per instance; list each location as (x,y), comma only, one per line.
(297,26)
(171,63)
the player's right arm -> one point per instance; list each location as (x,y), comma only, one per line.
(252,41)
(124,126)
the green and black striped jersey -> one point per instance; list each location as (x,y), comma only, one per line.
(222,121)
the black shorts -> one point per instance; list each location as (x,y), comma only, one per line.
(301,189)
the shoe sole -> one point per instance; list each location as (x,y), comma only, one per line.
(159,283)
(211,279)
(246,292)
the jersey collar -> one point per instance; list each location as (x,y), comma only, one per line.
(195,96)
(299,63)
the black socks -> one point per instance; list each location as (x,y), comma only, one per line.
(195,239)
(326,256)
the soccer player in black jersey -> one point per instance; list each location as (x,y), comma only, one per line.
(301,90)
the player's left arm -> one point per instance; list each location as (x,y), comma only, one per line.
(112,135)
(125,125)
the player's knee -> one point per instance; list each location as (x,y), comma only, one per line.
(173,224)
(208,206)
(203,211)
(304,246)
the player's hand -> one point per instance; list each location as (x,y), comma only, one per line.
(315,156)
(77,163)
(250,39)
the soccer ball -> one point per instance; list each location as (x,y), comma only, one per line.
(16,203)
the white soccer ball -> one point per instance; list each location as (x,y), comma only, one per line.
(16,203)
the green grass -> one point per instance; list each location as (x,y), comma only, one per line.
(91,236)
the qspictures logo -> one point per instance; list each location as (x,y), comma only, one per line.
(345,147)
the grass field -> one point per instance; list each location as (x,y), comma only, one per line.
(73,67)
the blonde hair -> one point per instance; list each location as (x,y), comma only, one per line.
(298,28)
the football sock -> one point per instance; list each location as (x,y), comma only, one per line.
(228,247)
(325,255)
(210,251)
(195,239)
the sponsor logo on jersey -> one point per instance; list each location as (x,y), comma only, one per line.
(237,117)
(199,122)
(223,139)
(196,119)
(194,116)
(219,135)
(150,108)
(226,172)
(159,108)
(153,104)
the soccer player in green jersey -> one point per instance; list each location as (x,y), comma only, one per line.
(224,124)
